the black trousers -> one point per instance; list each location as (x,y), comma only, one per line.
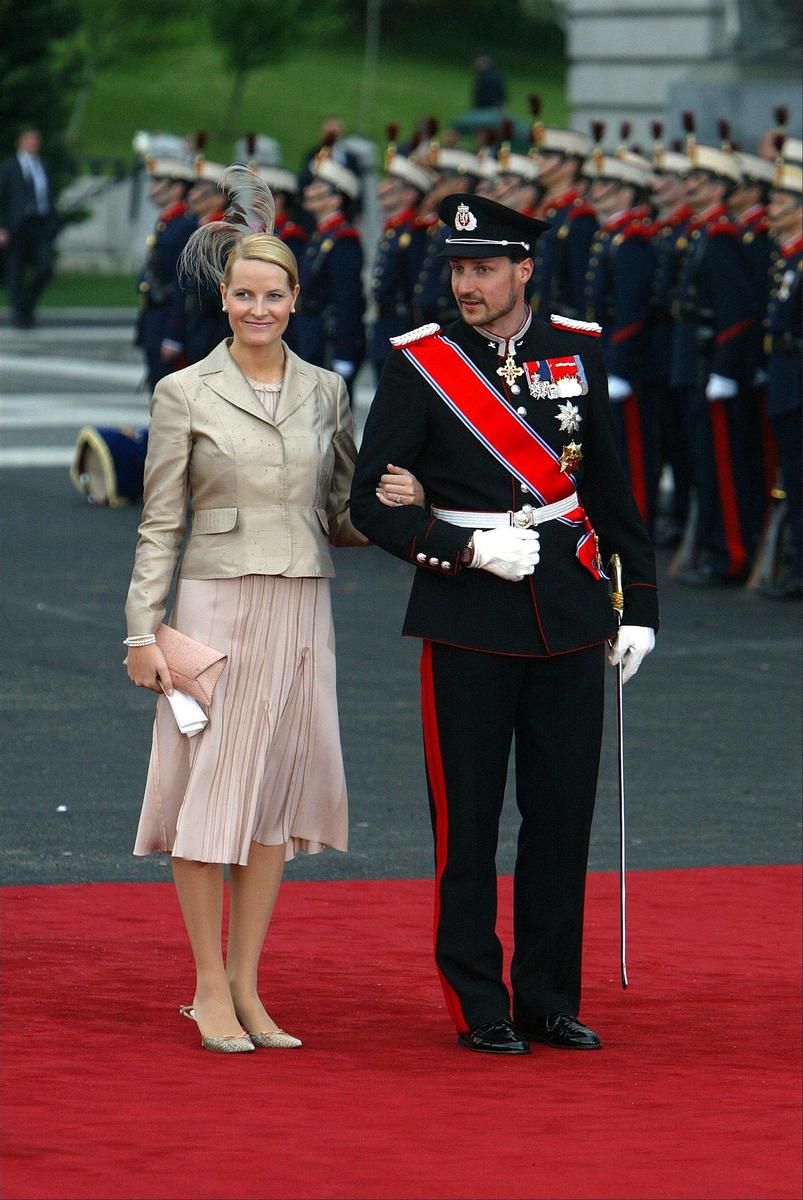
(29,265)
(472,705)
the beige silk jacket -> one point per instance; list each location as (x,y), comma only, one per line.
(269,495)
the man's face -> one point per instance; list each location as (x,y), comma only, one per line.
(668,190)
(320,199)
(701,190)
(394,195)
(785,214)
(29,141)
(204,198)
(487,289)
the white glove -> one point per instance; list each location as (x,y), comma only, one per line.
(720,388)
(508,552)
(190,717)
(346,369)
(618,389)
(630,646)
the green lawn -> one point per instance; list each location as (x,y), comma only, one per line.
(75,288)
(187,89)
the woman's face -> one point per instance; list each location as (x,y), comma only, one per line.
(259,299)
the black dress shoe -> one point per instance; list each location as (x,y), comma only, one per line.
(494,1037)
(562,1031)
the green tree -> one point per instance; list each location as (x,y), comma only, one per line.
(257,33)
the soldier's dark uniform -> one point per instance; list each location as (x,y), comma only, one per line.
(561,256)
(295,237)
(784,345)
(432,294)
(161,313)
(758,250)
(501,658)
(397,265)
(329,324)
(617,296)
(715,311)
(670,239)
(205,323)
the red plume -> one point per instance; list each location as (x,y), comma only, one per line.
(329,138)
(392,131)
(657,128)
(201,138)
(415,141)
(724,130)
(598,130)
(624,130)
(781,114)
(507,130)
(534,101)
(250,143)
(778,141)
(688,122)
(431,126)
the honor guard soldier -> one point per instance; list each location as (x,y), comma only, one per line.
(456,170)
(517,177)
(328,328)
(160,325)
(715,312)
(783,346)
(284,186)
(669,241)
(505,422)
(205,323)
(401,248)
(561,255)
(617,295)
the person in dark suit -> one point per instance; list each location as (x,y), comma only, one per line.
(205,323)
(27,225)
(505,421)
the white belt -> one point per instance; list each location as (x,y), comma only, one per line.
(525,518)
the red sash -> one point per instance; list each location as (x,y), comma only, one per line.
(500,429)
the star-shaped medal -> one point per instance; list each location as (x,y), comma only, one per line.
(568,416)
(571,456)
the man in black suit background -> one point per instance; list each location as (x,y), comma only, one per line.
(27,225)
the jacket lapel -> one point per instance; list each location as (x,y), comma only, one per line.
(299,381)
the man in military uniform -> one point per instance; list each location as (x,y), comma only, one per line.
(517,183)
(284,186)
(617,296)
(401,249)
(715,311)
(669,240)
(328,328)
(160,326)
(205,323)
(505,422)
(783,345)
(561,255)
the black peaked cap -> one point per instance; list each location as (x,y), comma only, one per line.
(481,228)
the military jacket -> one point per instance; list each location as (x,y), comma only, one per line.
(433,299)
(782,331)
(669,241)
(758,251)
(160,297)
(714,306)
(618,290)
(562,606)
(561,256)
(331,304)
(397,265)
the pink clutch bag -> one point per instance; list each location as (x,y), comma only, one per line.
(194,667)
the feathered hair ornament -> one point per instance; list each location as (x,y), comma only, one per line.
(250,209)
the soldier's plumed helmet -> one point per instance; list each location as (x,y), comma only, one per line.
(482,228)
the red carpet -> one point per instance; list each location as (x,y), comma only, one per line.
(695,1095)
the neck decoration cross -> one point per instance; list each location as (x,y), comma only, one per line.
(510,371)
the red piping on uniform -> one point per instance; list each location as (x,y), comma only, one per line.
(635,453)
(732,331)
(737,556)
(627,331)
(437,783)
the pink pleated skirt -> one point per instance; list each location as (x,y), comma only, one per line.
(268,767)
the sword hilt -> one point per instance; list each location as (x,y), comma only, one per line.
(617,594)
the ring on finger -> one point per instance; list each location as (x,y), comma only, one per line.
(400,499)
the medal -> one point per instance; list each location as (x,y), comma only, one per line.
(569,418)
(571,456)
(510,373)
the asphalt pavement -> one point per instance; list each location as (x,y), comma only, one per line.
(713,742)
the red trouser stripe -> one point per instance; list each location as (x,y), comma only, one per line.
(737,556)
(437,783)
(635,454)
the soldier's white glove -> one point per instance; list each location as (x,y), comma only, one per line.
(508,552)
(618,389)
(630,647)
(346,369)
(719,387)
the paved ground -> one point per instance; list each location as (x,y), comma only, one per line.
(713,740)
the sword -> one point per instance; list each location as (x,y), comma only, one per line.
(618,604)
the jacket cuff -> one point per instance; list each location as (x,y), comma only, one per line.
(438,549)
(641,605)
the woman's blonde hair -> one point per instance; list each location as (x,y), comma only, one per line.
(246,231)
(264,247)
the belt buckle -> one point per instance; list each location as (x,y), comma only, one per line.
(523,519)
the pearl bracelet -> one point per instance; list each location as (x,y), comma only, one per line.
(142,639)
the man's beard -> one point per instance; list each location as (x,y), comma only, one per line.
(484,316)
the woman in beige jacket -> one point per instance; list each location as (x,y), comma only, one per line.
(264,443)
